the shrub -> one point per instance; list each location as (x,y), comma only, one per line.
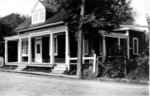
(114,68)
(88,72)
(141,72)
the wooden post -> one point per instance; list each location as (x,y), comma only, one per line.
(51,49)
(118,41)
(94,63)
(128,44)
(29,50)
(19,51)
(6,51)
(67,50)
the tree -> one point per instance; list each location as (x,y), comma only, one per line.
(97,15)
(7,26)
(148,21)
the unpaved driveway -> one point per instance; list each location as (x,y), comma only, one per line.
(15,84)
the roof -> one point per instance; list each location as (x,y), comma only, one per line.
(132,28)
(112,34)
(137,28)
(61,15)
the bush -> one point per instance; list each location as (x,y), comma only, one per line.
(141,72)
(88,72)
(114,68)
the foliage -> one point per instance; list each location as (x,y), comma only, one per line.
(93,15)
(99,14)
(88,72)
(114,68)
(148,35)
(7,25)
(141,72)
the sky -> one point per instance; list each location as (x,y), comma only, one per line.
(141,7)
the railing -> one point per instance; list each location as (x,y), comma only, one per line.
(86,58)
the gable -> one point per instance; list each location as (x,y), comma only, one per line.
(37,6)
(38,13)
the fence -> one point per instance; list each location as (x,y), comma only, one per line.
(86,58)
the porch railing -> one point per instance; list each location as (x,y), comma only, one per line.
(85,58)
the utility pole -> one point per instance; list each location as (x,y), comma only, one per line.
(80,43)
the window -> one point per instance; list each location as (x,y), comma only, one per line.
(24,48)
(55,45)
(135,46)
(34,17)
(41,15)
(38,16)
(38,48)
(86,47)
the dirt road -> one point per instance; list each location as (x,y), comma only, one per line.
(16,84)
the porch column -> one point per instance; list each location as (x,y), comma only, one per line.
(19,51)
(104,48)
(51,49)
(29,50)
(118,41)
(128,44)
(67,50)
(6,51)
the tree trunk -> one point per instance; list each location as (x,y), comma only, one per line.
(80,55)
(80,44)
(149,38)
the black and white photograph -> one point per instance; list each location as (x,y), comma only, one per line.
(74,47)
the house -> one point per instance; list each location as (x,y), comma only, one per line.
(44,41)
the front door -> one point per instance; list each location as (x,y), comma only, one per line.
(38,49)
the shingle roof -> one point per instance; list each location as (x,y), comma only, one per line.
(61,15)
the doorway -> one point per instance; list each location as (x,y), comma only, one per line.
(38,49)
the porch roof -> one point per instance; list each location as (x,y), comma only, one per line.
(129,28)
(112,34)
(57,19)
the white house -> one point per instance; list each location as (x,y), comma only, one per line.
(44,41)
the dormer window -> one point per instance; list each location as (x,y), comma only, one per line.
(38,16)
(41,15)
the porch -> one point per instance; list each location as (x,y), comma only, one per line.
(44,48)
(55,46)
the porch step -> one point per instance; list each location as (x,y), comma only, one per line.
(59,68)
(20,67)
